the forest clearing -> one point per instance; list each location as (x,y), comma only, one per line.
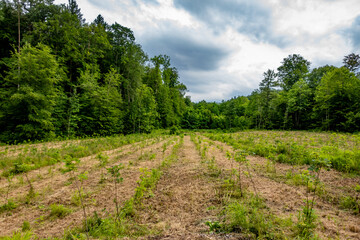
(196,185)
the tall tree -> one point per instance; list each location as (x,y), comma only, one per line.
(298,105)
(28,98)
(314,77)
(337,99)
(293,68)
(266,93)
(352,62)
(75,10)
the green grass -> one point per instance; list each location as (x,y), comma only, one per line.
(342,150)
(58,211)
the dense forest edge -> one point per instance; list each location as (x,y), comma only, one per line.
(62,77)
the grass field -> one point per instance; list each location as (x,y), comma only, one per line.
(198,185)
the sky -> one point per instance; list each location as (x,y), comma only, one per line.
(221,48)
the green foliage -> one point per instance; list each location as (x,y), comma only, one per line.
(174,130)
(214,226)
(71,164)
(25,226)
(76,197)
(293,68)
(341,150)
(351,203)
(98,82)
(337,100)
(10,205)
(27,235)
(147,182)
(73,78)
(114,171)
(307,218)
(249,216)
(306,223)
(28,96)
(58,211)
(103,159)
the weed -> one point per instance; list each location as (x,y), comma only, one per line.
(214,226)
(250,216)
(10,205)
(212,167)
(25,226)
(58,211)
(351,203)
(28,235)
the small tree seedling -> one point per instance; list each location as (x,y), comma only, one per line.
(240,158)
(306,220)
(103,161)
(357,197)
(71,165)
(229,156)
(9,182)
(114,171)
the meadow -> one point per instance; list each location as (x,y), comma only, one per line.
(189,185)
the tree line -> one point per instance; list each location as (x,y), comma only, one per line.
(64,77)
(61,76)
(294,97)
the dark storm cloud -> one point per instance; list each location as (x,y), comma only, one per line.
(248,17)
(186,53)
(354,32)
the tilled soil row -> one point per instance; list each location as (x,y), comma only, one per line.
(16,150)
(99,196)
(179,208)
(51,173)
(285,200)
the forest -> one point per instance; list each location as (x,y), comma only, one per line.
(63,77)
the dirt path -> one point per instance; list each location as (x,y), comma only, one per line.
(285,200)
(99,196)
(181,199)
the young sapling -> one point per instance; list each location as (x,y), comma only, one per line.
(71,164)
(114,171)
(103,161)
(240,158)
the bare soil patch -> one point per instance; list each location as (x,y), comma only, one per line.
(181,199)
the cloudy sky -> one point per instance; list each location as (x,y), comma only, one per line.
(222,47)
